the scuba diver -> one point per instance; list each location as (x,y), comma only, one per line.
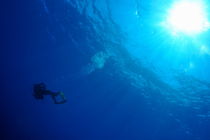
(40,90)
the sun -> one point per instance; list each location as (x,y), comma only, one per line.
(187,17)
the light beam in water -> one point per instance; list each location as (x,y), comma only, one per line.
(187,17)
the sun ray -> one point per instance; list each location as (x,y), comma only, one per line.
(187,17)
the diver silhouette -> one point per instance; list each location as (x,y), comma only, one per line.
(40,90)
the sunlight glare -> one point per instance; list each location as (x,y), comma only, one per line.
(188,17)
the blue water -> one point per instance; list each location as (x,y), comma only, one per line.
(124,76)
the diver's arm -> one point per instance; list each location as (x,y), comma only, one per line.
(62,96)
(48,92)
